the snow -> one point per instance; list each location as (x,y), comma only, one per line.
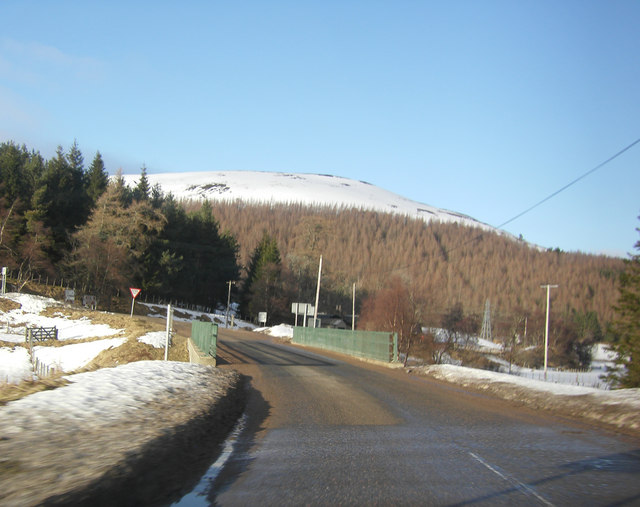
(486,345)
(29,316)
(184,315)
(287,188)
(457,373)
(618,407)
(15,365)
(106,395)
(74,356)
(156,339)
(279,331)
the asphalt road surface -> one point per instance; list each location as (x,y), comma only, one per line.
(322,429)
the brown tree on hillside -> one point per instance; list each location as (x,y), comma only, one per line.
(394,309)
(450,262)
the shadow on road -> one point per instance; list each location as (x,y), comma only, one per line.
(230,353)
(256,413)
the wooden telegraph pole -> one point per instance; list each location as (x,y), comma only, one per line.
(546,330)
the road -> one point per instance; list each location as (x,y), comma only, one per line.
(322,429)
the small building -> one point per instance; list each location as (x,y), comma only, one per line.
(331,321)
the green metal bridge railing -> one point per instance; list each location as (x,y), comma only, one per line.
(205,336)
(377,345)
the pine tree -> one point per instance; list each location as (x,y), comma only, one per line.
(97,179)
(14,185)
(141,192)
(61,200)
(262,289)
(627,325)
(75,158)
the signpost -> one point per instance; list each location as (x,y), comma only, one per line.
(134,295)
(305,309)
(262,318)
(69,296)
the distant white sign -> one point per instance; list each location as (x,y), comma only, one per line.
(302,308)
(262,317)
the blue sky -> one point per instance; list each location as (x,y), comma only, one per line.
(481,107)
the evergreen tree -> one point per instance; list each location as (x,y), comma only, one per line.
(190,260)
(122,190)
(13,183)
(75,158)
(157,196)
(97,179)
(60,200)
(141,192)
(263,289)
(109,249)
(627,325)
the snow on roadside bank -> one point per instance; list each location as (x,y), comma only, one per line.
(109,394)
(74,356)
(620,408)
(15,365)
(279,331)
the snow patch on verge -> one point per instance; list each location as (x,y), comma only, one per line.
(618,408)
(75,356)
(279,331)
(157,339)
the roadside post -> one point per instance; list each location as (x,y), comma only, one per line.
(169,327)
(134,295)
(4,280)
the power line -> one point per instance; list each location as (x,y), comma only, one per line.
(550,196)
(599,166)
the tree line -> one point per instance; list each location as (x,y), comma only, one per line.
(58,218)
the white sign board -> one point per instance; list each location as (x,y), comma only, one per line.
(302,308)
(262,317)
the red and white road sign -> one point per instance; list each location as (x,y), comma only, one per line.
(134,292)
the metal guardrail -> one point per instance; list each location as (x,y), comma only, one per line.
(205,336)
(377,345)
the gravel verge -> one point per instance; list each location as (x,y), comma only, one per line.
(150,451)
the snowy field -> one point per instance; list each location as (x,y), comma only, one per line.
(15,362)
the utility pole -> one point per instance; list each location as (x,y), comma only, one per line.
(226,320)
(315,310)
(353,308)
(546,330)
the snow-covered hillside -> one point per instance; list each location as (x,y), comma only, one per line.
(312,189)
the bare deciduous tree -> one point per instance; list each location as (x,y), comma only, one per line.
(395,309)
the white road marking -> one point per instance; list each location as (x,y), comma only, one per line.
(520,485)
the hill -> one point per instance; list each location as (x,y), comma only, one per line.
(368,235)
(316,190)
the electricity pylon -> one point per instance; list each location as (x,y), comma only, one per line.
(485,332)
